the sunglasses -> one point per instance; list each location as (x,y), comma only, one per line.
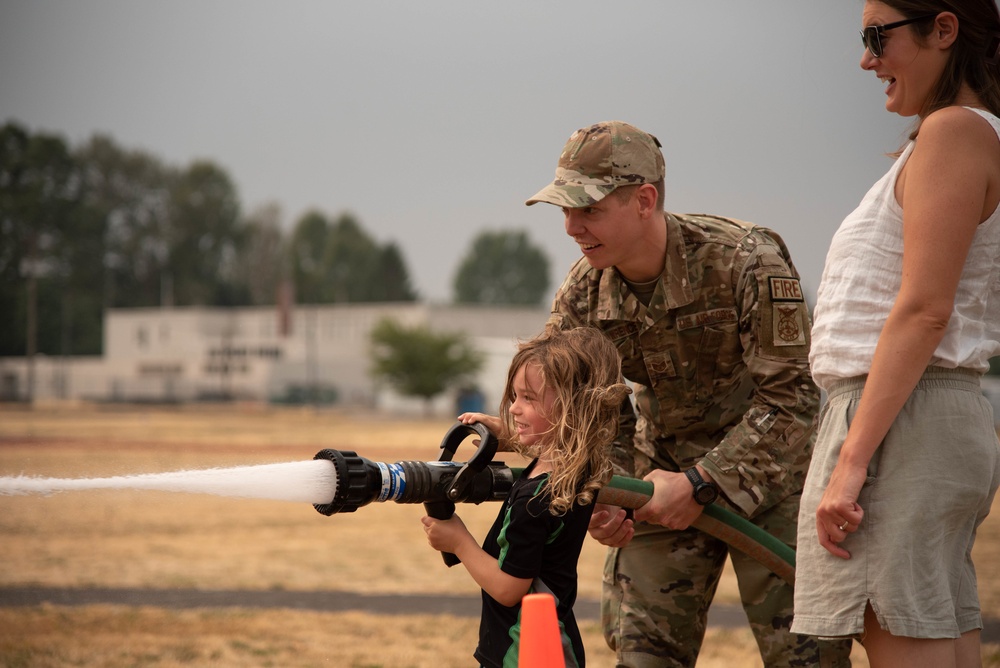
(871,36)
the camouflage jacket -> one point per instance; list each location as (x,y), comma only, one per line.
(719,359)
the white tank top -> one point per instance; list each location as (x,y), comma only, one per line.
(862,277)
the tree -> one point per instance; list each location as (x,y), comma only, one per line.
(262,264)
(205,238)
(350,262)
(128,191)
(46,246)
(338,262)
(502,268)
(418,362)
(101,226)
(393,284)
(170,236)
(306,248)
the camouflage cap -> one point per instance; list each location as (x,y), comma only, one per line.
(598,159)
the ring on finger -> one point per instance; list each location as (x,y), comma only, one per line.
(842,526)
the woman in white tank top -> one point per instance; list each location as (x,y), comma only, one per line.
(907,460)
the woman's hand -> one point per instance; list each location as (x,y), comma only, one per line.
(838,513)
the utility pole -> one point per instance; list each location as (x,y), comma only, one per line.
(31,343)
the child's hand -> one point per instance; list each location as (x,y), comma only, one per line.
(492,423)
(609,525)
(446,535)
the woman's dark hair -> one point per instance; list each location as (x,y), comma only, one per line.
(973,58)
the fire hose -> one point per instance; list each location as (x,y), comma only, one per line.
(440,484)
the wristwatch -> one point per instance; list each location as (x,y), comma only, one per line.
(704,492)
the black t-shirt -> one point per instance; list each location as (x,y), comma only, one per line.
(530,542)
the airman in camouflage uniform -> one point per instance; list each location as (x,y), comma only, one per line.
(713,329)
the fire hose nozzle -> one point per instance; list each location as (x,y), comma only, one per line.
(360,481)
(354,475)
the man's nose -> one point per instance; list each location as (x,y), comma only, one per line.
(574,225)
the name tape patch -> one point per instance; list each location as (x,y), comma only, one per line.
(706,318)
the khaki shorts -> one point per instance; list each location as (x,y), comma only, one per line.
(930,485)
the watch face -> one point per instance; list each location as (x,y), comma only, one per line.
(705,494)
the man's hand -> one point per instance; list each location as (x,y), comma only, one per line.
(672,504)
(609,526)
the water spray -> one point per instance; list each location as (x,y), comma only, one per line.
(439,485)
(304,482)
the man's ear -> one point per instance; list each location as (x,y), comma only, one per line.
(646,198)
(945,30)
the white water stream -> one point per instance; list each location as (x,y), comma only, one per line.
(313,481)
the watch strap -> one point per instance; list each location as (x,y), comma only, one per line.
(695,477)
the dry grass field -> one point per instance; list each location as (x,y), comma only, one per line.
(123,538)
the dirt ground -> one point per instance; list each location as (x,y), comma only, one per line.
(136,541)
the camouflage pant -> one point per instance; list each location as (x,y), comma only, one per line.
(657,591)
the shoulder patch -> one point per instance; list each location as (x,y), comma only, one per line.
(789,328)
(783,316)
(785,289)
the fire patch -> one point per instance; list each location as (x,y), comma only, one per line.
(787,306)
(785,289)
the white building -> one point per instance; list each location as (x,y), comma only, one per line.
(262,354)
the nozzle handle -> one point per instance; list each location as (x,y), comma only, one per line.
(458,433)
(443,510)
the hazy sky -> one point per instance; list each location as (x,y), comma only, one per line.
(432,121)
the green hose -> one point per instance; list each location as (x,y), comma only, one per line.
(716,521)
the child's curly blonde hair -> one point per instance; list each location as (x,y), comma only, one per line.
(582,369)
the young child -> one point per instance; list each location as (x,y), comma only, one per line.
(560,407)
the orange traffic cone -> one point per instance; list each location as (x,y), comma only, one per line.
(541,645)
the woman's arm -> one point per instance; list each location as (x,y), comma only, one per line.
(942,190)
